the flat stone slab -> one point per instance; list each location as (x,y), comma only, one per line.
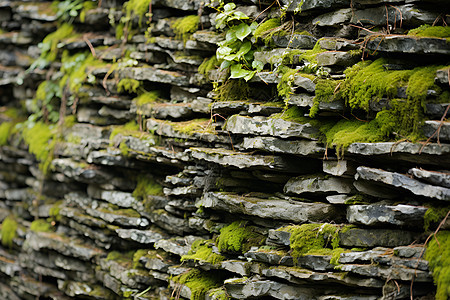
(205,132)
(389,272)
(276,145)
(242,288)
(269,126)
(337,58)
(358,237)
(339,167)
(376,215)
(433,177)
(300,275)
(442,76)
(243,160)
(294,5)
(60,244)
(294,41)
(155,75)
(404,182)
(307,101)
(269,208)
(235,107)
(164,110)
(141,236)
(409,44)
(432,127)
(80,171)
(178,245)
(319,185)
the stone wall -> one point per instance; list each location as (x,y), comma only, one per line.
(314,165)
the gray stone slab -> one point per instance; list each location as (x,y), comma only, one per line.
(275,208)
(403,182)
(376,215)
(155,75)
(295,41)
(275,145)
(335,18)
(269,126)
(337,58)
(301,5)
(319,185)
(409,44)
(439,130)
(433,177)
(358,237)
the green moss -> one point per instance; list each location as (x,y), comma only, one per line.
(137,256)
(199,282)
(184,27)
(130,128)
(137,8)
(41,140)
(232,90)
(218,294)
(8,231)
(41,225)
(114,209)
(87,5)
(54,211)
(74,67)
(310,55)
(285,85)
(267,29)
(346,132)
(238,237)
(128,85)
(309,238)
(326,91)
(208,64)
(121,258)
(147,186)
(194,126)
(431,31)
(49,46)
(434,215)
(438,256)
(201,250)
(147,97)
(5,130)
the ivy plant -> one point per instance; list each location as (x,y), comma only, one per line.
(236,51)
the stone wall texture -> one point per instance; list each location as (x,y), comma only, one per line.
(309,158)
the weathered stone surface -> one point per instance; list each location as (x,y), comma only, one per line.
(268,208)
(179,245)
(403,182)
(439,130)
(338,58)
(155,75)
(253,287)
(245,107)
(398,273)
(140,236)
(295,41)
(270,257)
(298,5)
(335,18)
(375,237)
(63,245)
(304,83)
(339,167)
(433,177)
(275,145)
(409,44)
(411,15)
(442,76)
(80,171)
(319,185)
(373,215)
(269,126)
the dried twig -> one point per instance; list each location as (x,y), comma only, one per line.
(437,132)
(88,42)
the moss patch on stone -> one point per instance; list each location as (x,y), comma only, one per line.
(426,30)
(184,27)
(147,186)
(434,215)
(147,97)
(232,90)
(41,140)
(199,282)
(207,65)
(5,130)
(438,256)
(202,250)
(129,85)
(238,237)
(41,225)
(8,231)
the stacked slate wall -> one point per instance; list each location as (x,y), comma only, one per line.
(314,165)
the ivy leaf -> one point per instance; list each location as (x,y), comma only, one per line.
(225,64)
(253,26)
(249,75)
(223,51)
(242,31)
(229,7)
(238,72)
(231,57)
(257,65)
(237,15)
(244,49)
(231,36)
